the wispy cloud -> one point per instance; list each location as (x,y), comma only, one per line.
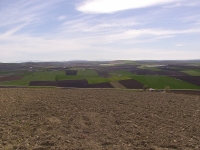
(87,25)
(185,3)
(109,6)
(106,30)
(13,30)
(60,18)
(18,14)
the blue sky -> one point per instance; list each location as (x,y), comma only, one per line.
(61,30)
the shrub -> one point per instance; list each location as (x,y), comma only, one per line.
(156,90)
(145,87)
(167,89)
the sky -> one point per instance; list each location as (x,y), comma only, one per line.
(63,30)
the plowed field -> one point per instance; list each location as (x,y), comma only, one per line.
(83,119)
(70,72)
(190,79)
(64,83)
(131,84)
(10,78)
(187,92)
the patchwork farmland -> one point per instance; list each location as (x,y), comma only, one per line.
(119,74)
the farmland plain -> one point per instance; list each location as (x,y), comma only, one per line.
(156,75)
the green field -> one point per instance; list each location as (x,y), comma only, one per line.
(35,76)
(92,77)
(81,74)
(13,72)
(157,82)
(192,72)
(160,82)
(110,79)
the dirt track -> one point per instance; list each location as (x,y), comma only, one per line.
(59,119)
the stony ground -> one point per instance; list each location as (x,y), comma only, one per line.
(73,119)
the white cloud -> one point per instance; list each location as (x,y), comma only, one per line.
(109,6)
(13,30)
(158,32)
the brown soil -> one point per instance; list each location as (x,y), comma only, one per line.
(64,83)
(10,78)
(131,84)
(74,119)
(71,83)
(99,85)
(117,85)
(187,92)
(71,72)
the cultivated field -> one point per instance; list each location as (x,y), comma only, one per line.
(160,82)
(191,79)
(57,119)
(131,84)
(159,75)
(9,78)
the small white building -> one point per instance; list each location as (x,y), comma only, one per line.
(151,90)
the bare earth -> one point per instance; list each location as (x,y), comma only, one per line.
(84,119)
